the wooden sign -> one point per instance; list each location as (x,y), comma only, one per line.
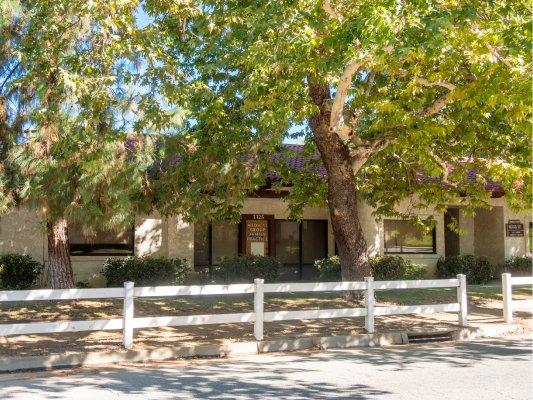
(256,234)
(514,228)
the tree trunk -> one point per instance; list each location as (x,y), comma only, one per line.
(59,272)
(342,197)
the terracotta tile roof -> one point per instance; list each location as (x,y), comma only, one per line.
(294,158)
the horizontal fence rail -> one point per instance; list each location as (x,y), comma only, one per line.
(416,284)
(509,304)
(163,291)
(61,294)
(258,317)
(313,287)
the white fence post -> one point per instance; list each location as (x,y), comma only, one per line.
(259,297)
(369,304)
(507,293)
(462,300)
(127,315)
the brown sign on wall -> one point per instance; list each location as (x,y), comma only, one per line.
(256,234)
(514,228)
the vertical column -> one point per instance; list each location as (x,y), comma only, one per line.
(259,297)
(127,315)
(369,304)
(507,293)
(462,300)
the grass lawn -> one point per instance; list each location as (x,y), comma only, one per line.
(449,295)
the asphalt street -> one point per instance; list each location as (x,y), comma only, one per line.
(491,369)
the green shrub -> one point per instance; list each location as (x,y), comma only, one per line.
(481,271)
(198,277)
(451,266)
(383,267)
(18,271)
(145,271)
(478,270)
(395,267)
(246,268)
(329,268)
(415,271)
(521,265)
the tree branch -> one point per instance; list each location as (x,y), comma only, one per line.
(425,82)
(435,107)
(331,11)
(345,81)
(9,75)
(366,149)
(498,57)
(369,81)
(442,164)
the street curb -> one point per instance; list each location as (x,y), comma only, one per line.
(475,332)
(228,349)
(10,364)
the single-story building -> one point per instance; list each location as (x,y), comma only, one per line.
(265,229)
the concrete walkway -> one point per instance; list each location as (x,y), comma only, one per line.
(491,369)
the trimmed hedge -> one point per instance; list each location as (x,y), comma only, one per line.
(478,270)
(383,267)
(521,265)
(329,268)
(18,271)
(145,271)
(396,268)
(246,268)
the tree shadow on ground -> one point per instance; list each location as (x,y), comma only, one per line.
(262,377)
(245,379)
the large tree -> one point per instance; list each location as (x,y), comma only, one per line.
(400,98)
(68,106)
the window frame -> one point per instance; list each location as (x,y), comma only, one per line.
(84,253)
(300,263)
(272,248)
(433,239)
(529,244)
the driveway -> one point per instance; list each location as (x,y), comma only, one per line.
(492,369)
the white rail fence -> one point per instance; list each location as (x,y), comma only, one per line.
(509,304)
(129,292)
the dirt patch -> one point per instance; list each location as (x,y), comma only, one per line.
(482,310)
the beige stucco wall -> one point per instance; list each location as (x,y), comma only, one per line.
(428,259)
(466,238)
(372,228)
(515,246)
(150,239)
(278,208)
(22,231)
(180,239)
(489,237)
(484,234)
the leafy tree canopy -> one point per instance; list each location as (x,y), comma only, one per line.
(71,97)
(416,88)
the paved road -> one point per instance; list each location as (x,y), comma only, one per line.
(495,369)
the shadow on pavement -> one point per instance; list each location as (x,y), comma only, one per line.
(260,377)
